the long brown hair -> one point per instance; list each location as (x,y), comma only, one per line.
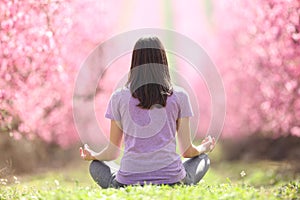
(149,78)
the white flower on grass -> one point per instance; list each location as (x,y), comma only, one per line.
(3,181)
(56,182)
(243,173)
(16,180)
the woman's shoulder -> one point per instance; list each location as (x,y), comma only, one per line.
(179,91)
(180,95)
(122,91)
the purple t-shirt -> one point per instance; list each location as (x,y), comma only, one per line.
(149,136)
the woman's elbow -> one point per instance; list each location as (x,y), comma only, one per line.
(113,154)
(186,155)
(190,152)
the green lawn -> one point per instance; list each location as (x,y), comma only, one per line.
(224,181)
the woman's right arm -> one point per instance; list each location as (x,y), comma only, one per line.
(111,151)
(187,149)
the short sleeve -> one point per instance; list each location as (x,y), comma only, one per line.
(112,111)
(185,108)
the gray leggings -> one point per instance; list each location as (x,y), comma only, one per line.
(195,168)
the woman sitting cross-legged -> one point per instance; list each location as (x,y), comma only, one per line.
(148,112)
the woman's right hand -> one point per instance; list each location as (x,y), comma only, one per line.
(86,153)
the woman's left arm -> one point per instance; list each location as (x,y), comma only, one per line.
(111,151)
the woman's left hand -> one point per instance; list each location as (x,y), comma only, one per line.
(208,144)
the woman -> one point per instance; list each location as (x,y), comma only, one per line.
(149,112)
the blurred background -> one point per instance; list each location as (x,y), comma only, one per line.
(255,45)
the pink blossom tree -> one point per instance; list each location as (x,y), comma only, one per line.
(42,46)
(258,53)
(33,74)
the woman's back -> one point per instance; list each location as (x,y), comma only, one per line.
(149,137)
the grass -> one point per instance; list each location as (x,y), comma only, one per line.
(235,180)
(226,181)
